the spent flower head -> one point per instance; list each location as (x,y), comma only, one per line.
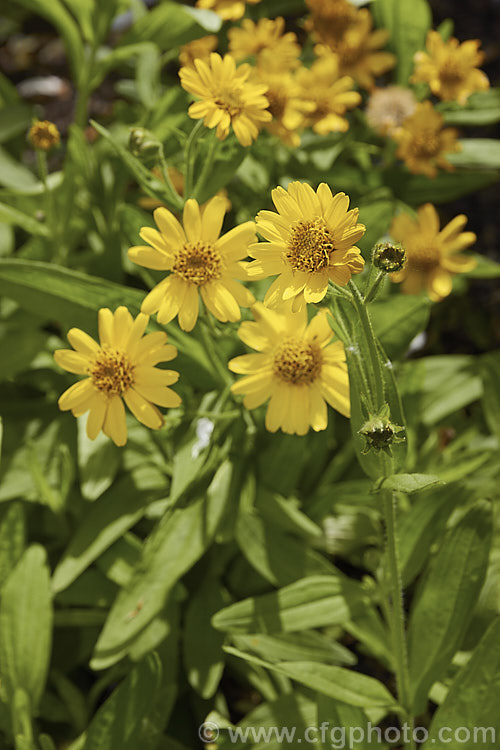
(389,257)
(44,135)
(380,433)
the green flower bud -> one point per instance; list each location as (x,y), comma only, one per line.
(143,144)
(389,257)
(380,433)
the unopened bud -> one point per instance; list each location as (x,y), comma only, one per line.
(389,257)
(144,145)
(44,135)
(380,433)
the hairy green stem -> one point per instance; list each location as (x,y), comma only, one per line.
(376,370)
(207,166)
(190,157)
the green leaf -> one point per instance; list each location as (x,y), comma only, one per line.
(445,187)
(12,538)
(203,655)
(353,688)
(397,320)
(477,153)
(277,556)
(305,646)
(408,483)
(343,721)
(74,298)
(311,602)
(168,25)
(14,119)
(98,462)
(122,721)
(450,382)
(420,526)
(473,698)
(443,610)
(171,550)
(26,627)
(486,268)
(107,519)
(15,176)
(482,108)
(489,365)
(408,22)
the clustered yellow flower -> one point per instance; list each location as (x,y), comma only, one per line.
(273,50)
(450,68)
(227,98)
(200,263)
(121,366)
(348,33)
(423,142)
(432,255)
(309,242)
(298,368)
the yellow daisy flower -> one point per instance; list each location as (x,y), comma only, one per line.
(297,367)
(121,366)
(274,50)
(432,255)
(287,105)
(199,260)
(450,68)
(310,241)
(198,49)
(330,94)
(423,141)
(388,108)
(228,10)
(359,50)
(228,99)
(329,19)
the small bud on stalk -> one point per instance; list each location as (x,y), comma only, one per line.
(389,257)
(44,135)
(143,144)
(380,433)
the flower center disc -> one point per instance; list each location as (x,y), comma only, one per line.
(297,362)
(423,255)
(229,101)
(309,245)
(425,144)
(198,262)
(112,372)
(451,72)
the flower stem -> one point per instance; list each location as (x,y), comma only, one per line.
(207,166)
(190,157)
(173,196)
(395,609)
(376,370)
(206,328)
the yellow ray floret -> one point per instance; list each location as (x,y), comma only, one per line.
(274,50)
(199,261)
(120,368)
(226,97)
(423,142)
(228,10)
(298,368)
(433,256)
(309,242)
(450,68)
